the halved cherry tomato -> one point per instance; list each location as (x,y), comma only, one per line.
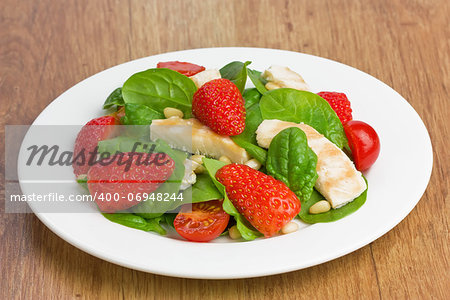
(205,222)
(364,143)
(184,68)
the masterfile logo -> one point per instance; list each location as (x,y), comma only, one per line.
(41,170)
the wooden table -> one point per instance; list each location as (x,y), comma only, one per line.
(48,46)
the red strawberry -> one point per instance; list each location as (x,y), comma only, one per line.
(94,131)
(219,105)
(127,178)
(268,204)
(340,104)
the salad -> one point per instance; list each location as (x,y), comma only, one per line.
(203,154)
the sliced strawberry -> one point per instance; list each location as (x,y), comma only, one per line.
(96,130)
(340,104)
(219,105)
(268,204)
(121,184)
(184,68)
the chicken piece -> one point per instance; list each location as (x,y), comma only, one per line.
(338,180)
(203,77)
(192,136)
(283,77)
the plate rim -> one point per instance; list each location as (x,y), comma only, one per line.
(74,242)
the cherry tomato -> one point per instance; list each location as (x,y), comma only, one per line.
(364,143)
(205,222)
(184,68)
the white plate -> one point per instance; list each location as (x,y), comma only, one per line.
(396,182)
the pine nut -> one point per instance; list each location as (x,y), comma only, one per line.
(320,207)
(197,158)
(253,163)
(172,112)
(225,159)
(234,233)
(199,169)
(289,228)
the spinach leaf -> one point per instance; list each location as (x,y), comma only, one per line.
(258,81)
(139,114)
(130,144)
(115,98)
(300,106)
(245,228)
(251,97)
(331,215)
(236,72)
(203,190)
(82,181)
(293,162)
(160,88)
(168,218)
(137,118)
(247,139)
(136,222)
(247,231)
(127,144)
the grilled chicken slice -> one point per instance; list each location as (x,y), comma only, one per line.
(338,181)
(192,136)
(283,77)
(204,76)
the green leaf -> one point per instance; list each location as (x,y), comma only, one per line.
(168,218)
(137,118)
(82,181)
(127,144)
(247,231)
(255,151)
(258,81)
(139,114)
(245,228)
(247,139)
(300,106)
(251,97)
(333,214)
(160,88)
(136,222)
(212,166)
(115,98)
(203,190)
(293,162)
(236,72)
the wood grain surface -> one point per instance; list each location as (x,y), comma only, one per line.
(48,46)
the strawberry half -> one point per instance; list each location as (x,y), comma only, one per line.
(126,179)
(340,104)
(184,68)
(219,105)
(96,130)
(268,204)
